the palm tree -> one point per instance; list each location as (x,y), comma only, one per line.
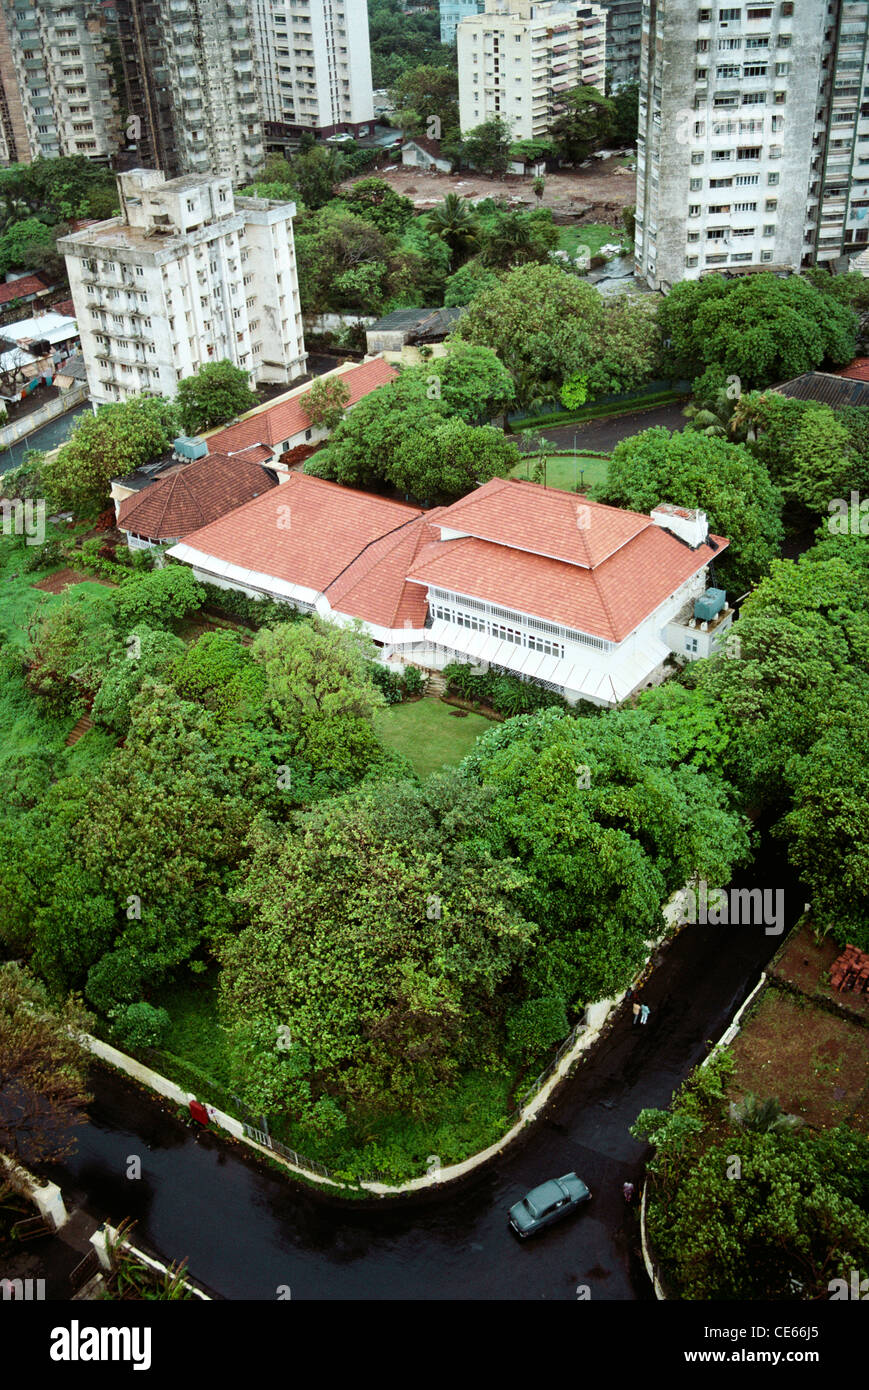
(510,242)
(454,221)
(762,1116)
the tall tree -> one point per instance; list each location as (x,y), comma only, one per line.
(758,328)
(216,393)
(117,439)
(693,470)
(584,124)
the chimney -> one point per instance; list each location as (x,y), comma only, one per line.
(688,523)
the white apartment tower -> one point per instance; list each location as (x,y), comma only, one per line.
(518,59)
(56,82)
(753,145)
(313,66)
(187,274)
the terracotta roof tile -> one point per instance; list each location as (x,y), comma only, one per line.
(306,532)
(547,521)
(858,370)
(16,289)
(198,493)
(285,418)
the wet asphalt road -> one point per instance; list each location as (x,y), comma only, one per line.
(601,436)
(245,1230)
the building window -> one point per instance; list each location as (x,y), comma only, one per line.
(772,178)
(692,261)
(696,185)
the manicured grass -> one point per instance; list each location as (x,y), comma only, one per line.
(594,236)
(430,732)
(562,472)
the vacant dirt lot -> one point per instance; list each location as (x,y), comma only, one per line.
(814,1063)
(596,192)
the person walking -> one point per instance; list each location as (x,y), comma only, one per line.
(644,1013)
(636,1011)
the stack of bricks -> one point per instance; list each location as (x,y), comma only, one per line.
(851,970)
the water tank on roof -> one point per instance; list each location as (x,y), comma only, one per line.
(709,605)
(190,448)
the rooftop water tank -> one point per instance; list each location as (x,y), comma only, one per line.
(709,605)
(190,448)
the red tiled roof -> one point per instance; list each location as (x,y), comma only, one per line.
(369,555)
(286,418)
(306,532)
(560,557)
(858,370)
(65,307)
(608,601)
(16,289)
(199,493)
(545,521)
(375,586)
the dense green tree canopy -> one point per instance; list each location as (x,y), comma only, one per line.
(693,470)
(114,441)
(422,93)
(395,906)
(760,328)
(547,326)
(788,1220)
(606,825)
(585,123)
(216,393)
(418,433)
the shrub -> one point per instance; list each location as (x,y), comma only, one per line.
(414,680)
(158,597)
(141,1025)
(388,682)
(536,1025)
(505,693)
(257,613)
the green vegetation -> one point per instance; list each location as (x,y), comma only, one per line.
(759,328)
(216,393)
(429,733)
(745,1206)
(594,235)
(563,470)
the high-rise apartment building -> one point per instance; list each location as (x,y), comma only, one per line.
(313,66)
(624,28)
(14,139)
(451,11)
(57,89)
(754,136)
(519,58)
(186,275)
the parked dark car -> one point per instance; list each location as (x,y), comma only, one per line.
(548,1203)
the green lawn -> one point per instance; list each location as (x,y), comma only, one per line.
(562,472)
(430,732)
(594,236)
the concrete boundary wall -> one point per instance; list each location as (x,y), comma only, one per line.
(19,429)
